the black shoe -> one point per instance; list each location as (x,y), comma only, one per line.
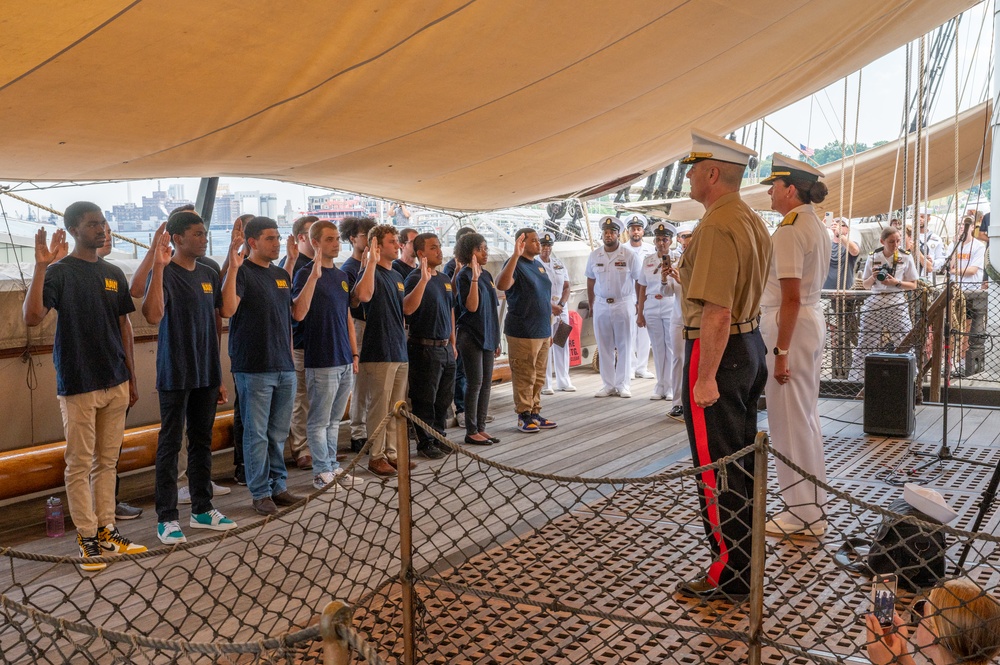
(123,511)
(357,445)
(474,442)
(445,450)
(705,590)
(677,413)
(430,451)
(240,475)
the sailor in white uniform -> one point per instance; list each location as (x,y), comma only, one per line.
(636,225)
(794,331)
(611,273)
(889,271)
(558,355)
(676,329)
(656,306)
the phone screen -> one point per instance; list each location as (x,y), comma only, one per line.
(884,598)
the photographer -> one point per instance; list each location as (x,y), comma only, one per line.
(888,272)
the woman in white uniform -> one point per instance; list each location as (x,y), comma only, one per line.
(655,297)
(889,271)
(794,330)
(558,355)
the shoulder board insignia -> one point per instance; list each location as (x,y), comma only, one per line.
(904,251)
(875,251)
(789,219)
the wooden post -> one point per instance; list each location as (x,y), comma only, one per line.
(758,555)
(405,534)
(335,648)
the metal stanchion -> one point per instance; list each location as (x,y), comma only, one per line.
(758,555)
(405,534)
(335,649)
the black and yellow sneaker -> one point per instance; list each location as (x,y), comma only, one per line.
(112,542)
(89,547)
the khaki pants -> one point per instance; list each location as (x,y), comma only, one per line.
(387,385)
(94,423)
(300,408)
(528,360)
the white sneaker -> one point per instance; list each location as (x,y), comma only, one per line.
(170,533)
(606,392)
(548,391)
(322,480)
(644,374)
(784,525)
(346,479)
(568,389)
(220,490)
(657,396)
(184,493)
(624,392)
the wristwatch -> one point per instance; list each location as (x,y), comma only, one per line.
(780,352)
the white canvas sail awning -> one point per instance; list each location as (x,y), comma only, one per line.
(463,104)
(877,174)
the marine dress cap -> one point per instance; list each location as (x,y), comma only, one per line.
(786,167)
(613,223)
(664,229)
(929,502)
(635,219)
(705,145)
(546,239)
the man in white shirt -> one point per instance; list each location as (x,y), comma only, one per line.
(558,355)
(968,269)
(636,225)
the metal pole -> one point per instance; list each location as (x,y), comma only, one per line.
(405,534)
(994,231)
(758,555)
(335,648)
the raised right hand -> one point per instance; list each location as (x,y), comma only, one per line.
(374,253)
(161,249)
(476,269)
(236,246)
(47,254)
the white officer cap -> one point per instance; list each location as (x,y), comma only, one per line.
(786,167)
(705,145)
(635,219)
(546,239)
(661,228)
(611,222)
(686,227)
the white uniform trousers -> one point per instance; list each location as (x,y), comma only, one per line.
(659,339)
(793,410)
(883,315)
(613,328)
(676,330)
(558,358)
(640,347)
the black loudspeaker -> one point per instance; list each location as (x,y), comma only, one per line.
(890,404)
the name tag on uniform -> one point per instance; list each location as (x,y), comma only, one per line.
(282,283)
(110,284)
(206,287)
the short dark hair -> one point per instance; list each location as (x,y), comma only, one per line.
(380,231)
(184,208)
(258,225)
(523,232)
(350,227)
(181,220)
(300,224)
(463,231)
(75,212)
(420,239)
(466,245)
(405,232)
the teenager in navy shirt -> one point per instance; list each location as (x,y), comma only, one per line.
(258,297)
(321,305)
(355,231)
(528,326)
(184,297)
(407,261)
(95,382)
(430,309)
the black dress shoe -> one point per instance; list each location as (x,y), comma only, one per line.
(357,445)
(476,442)
(494,439)
(430,451)
(677,413)
(705,590)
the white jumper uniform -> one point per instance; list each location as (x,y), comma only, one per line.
(640,337)
(801,250)
(676,335)
(614,274)
(558,355)
(658,311)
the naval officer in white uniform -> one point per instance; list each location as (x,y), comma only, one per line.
(635,225)
(558,355)
(656,306)
(611,274)
(794,332)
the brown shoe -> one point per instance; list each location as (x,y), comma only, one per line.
(265,506)
(395,465)
(305,462)
(285,498)
(380,467)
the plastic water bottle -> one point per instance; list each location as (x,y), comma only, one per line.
(55,525)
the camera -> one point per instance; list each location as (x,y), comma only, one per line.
(884,272)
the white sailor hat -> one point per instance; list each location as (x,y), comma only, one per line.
(546,239)
(661,228)
(635,219)
(786,167)
(686,227)
(705,145)
(929,502)
(611,222)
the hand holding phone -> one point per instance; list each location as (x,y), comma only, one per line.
(884,598)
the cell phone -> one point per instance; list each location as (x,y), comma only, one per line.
(884,598)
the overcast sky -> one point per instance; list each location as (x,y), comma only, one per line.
(814,121)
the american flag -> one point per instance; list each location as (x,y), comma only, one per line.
(805,150)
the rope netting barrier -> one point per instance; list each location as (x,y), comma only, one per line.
(474,561)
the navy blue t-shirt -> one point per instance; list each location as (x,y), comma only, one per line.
(402,268)
(260,332)
(529,311)
(352,267)
(432,320)
(187,346)
(385,337)
(449,267)
(324,329)
(484,323)
(88,352)
(300,262)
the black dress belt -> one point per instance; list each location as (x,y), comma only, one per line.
(429,342)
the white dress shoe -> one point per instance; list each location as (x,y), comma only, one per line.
(606,392)
(624,392)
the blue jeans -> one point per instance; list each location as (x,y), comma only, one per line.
(266,410)
(329,389)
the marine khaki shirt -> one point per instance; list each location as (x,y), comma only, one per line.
(726,262)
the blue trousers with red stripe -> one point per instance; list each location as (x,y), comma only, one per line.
(720,430)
